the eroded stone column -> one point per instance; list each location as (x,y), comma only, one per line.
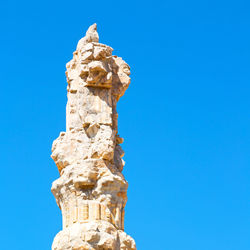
(91,191)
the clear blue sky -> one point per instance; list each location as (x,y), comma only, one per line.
(185,118)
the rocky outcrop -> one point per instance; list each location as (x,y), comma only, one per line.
(91,190)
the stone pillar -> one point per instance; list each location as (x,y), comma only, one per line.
(91,191)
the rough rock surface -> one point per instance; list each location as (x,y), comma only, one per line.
(91,190)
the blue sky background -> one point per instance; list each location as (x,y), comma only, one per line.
(185,118)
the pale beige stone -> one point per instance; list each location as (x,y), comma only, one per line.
(91,190)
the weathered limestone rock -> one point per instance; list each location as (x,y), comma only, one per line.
(91,190)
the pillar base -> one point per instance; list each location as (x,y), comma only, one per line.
(93,235)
